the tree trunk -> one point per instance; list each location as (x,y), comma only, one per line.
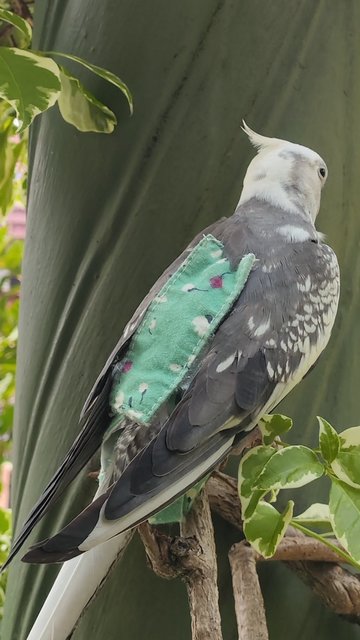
(106,214)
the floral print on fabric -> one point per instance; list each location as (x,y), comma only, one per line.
(176,326)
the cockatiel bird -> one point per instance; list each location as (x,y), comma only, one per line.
(257,294)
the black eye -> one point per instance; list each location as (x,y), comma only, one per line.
(322,172)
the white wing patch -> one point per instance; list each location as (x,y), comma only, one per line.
(225,364)
(262,328)
(293,233)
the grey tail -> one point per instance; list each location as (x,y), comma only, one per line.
(94,424)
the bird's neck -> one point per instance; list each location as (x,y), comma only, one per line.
(288,198)
(266,219)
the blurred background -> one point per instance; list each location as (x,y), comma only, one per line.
(106,214)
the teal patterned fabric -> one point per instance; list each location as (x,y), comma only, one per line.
(175,328)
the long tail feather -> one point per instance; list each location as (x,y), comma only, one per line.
(85,445)
(79,579)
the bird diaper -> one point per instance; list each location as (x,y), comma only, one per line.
(177,325)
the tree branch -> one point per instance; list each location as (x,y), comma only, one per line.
(193,558)
(249,603)
(202,584)
(297,548)
(336,587)
(224,499)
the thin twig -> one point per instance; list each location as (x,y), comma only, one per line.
(202,585)
(249,603)
(297,548)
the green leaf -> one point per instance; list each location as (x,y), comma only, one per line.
(266,527)
(250,467)
(272,425)
(81,109)
(30,83)
(174,512)
(329,440)
(4,383)
(290,468)
(317,515)
(192,494)
(14,252)
(9,154)
(5,521)
(6,418)
(102,73)
(19,23)
(350,437)
(5,543)
(177,510)
(346,465)
(344,508)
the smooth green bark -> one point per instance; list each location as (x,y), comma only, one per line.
(107,213)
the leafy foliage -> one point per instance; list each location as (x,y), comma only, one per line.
(251,466)
(329,441)
(267,527)
(32,82)
(272,467)
(289,468)
(177,510)
(269,468)
(318,514)
(274,425)
(29,83)
(10,267)
(80,108)
(346,464)
(5,539)
(21,25)
(344,507)
(102,73)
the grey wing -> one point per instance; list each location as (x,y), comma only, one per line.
(188,446)
(95,417)
(274,334)
(276,331)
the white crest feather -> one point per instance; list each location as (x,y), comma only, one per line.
(256,139)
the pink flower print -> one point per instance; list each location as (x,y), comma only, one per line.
(216,282)
(127,366)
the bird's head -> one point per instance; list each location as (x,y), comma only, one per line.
(284,174)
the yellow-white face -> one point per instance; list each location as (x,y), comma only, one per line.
(285,174)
